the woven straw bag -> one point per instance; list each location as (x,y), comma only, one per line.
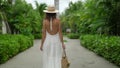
(65,63)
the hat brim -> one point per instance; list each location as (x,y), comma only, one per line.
(46,11)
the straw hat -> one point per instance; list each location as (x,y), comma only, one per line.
(50,9)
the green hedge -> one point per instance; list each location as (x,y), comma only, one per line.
(10,45)
(37,36)
(73,36)
(64,33)
(106,46)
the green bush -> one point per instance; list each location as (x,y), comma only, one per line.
(106,46)
(73,36)
(37,36)
(64,33)
(10,45)
(25,42)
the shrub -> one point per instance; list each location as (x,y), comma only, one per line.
(64,33)
(73,36)
(25,42)
(106,46)
(10,45)
(37,36)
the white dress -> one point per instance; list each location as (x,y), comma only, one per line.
(52,51)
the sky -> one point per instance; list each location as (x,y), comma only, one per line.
(62,6)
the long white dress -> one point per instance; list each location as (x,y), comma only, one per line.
(52,50)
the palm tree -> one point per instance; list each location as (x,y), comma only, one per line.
(3,8)
(56,2)
(40,8)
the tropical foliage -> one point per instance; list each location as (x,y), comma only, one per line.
(106,46)
(93,16)
(100,19)
(73,36)
(23,18)
(4,7)
(9,49)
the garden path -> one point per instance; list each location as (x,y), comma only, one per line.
(79,57)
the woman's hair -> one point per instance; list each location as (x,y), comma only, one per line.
(50,15)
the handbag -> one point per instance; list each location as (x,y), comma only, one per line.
(64,62)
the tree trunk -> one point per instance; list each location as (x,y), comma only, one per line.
(56,2)
(4,29)
(5,25)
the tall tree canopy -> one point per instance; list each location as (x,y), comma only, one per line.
(93,16)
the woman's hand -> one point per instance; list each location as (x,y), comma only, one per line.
(41,48)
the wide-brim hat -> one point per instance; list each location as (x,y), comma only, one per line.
(50,9)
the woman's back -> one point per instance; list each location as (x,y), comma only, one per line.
(55,26)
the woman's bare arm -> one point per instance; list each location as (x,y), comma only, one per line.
(43,34)
(60,33)
(61,36)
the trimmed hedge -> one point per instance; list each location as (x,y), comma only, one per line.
(10,45)
(105,46)
(73,36)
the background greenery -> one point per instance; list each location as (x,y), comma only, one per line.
(100,20)
(105,46)
(9,48)
(93,17)
(23,22)
(73,36)
(22,17)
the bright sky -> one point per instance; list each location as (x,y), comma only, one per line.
(63,3)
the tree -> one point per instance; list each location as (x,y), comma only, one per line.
(40,8)
(4,7)
(24,19)
(94,17)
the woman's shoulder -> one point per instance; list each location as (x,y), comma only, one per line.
(45,20)
(57,20)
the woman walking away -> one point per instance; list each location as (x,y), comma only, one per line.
(52,43)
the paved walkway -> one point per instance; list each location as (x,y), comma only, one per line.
(78,56)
